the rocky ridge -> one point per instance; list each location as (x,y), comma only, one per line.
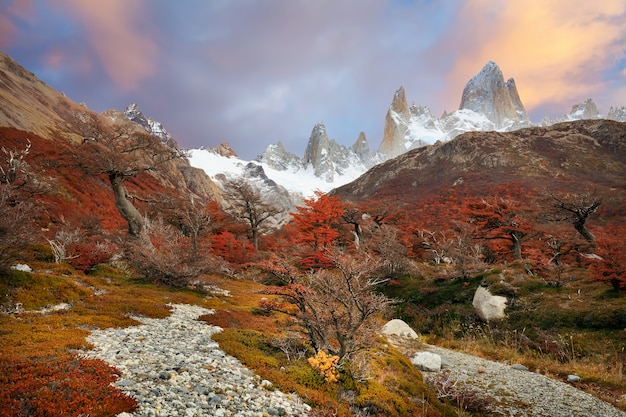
(150,125)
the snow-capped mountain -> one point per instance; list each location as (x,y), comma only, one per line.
(151,126)
(488,103)
(284,179)
(280,177)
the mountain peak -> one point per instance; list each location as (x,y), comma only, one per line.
(399,103)
(585,110)
(151,126)
(278,158)
(224,149)
(317,148)
(487,93)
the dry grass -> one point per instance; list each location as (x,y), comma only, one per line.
(41,373)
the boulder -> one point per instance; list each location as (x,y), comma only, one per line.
(488,306)
(427,361)
(397,327)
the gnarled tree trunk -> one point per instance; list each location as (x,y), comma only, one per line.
(125,207)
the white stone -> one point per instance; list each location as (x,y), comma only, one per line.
(427,361)
(397,327)
(573,378)
(487,306)
(22,267)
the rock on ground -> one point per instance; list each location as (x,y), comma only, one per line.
(397,327)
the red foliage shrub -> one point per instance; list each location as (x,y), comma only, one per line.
(233,250)
(611,268)
(90,254)
(316,226)
(66,386)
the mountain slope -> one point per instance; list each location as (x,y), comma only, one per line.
(57,129)
(441,187)
(592,152)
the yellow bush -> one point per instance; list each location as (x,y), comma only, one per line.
(326,365)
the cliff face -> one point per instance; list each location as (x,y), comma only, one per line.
(486,93)
(487,103)
(396,126)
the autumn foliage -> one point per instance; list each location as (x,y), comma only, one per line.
(610,264)
(63,386)
(315,228)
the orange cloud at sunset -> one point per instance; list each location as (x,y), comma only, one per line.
(126,55)
(556,50)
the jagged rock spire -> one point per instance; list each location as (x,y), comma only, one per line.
(396,126)
(487,93)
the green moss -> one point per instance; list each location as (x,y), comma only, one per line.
(305,375)
(40,290)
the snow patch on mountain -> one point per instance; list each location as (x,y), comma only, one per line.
(295,178)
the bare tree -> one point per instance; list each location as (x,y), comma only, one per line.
(18,186)
(192,216)
(246,204)
(353,216)
(336,306)
(121,152)
(577,209)
(168,260)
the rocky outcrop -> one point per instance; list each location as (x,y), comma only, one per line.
(486,93)
(151,126)
(277,157)
(318,151)
(586,110)
(617,113)
(330,160)
(361,148)
(396,126)
(224,149)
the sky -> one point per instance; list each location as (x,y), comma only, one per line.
(255,72)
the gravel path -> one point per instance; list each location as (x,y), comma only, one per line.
(172,367)
(518,392)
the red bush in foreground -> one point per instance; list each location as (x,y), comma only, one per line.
(66,386)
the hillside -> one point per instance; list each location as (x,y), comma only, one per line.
(586,153)
(432,186)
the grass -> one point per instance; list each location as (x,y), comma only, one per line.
(578,327)
(40,372)
(572,329)
(46,344)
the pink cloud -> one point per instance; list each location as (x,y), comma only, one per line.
(556,51)
(127,55)
(21,9)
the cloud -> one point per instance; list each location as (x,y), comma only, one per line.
(16,9)
(121,40)
(555,50)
